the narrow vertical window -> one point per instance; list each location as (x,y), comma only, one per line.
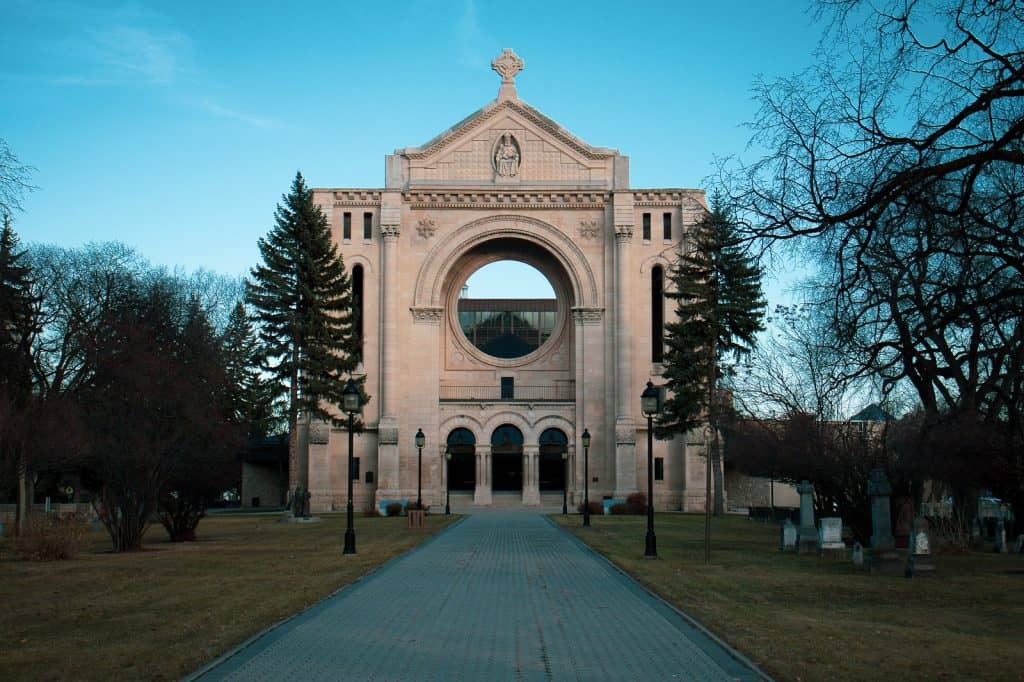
(354,472)
(346,226)
(357,304)
(659,468)
(647,227)
(508,388)
(667,221)
(367,225)
(657,314)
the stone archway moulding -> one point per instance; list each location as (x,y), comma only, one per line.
(461,421)
(445,255)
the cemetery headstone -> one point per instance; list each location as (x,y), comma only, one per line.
(883,554)
(787,537)
(902,527)
(919,552)
(858,555)
(808,535)
(977,537)
(1018,546)
(1000,537)
(830,537)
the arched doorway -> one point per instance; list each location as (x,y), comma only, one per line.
(551,470)
(507,459)
(462,467)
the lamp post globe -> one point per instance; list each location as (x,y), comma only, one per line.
(585,441)
(351,400)
(447,481)
(420,441)
(650,406)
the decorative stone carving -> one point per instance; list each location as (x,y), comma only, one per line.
(387,435)
(427,315)
(507,64)
(319,434)
(507,156)
(426,228)
(623,234)
(587,316)
(589,229)
(390,232)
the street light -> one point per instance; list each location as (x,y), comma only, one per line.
(448,480)
(565,481)
(585,439)
(420,440)
(650,406)
(350,402)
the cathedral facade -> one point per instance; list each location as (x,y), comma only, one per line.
(507,386)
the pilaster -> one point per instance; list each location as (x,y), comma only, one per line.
(482,493)
(625,432)
(531,484)
(387,449)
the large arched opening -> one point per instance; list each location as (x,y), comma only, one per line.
(507,459)
(462,466)
(552,466)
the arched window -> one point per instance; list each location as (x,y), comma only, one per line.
(553,437)
(657,314)
(506,434)
(461,436)
(357,304)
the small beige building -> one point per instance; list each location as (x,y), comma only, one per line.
(508,384)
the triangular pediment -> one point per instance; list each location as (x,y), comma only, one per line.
(508,142)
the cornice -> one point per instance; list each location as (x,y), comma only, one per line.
(502,198)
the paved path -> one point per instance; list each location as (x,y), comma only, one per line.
(499,596)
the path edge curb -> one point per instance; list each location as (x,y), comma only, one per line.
(207,668)
(690,620)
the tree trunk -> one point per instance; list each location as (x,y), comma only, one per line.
(25,495)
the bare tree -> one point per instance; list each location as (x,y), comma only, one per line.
(14,180)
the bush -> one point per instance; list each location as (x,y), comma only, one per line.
(394,509)
(619,509)
(51,538)
(636,503)
(596,508)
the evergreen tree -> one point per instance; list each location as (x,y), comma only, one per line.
(16,315)
(302,297)
(252,399)
(719,310)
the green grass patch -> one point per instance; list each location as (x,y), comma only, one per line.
(162,612)
(805,618)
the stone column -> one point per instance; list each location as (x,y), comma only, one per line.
(625,429)
(808,534)
(482,493)
(879,490)
(387,442)
(531,489)
(319,482)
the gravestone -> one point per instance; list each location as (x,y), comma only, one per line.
(858,555)
(977,538)
(787,537)
(807,537)
(883,555)
(919,551)
(830,537)
(904,521)
(1000,537)
(1018,546)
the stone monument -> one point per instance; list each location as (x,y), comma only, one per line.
(858,555)
(807,537)
(1018,546)
(1000,537)
(883,545)
(977,536)
(787,537)
(919,549)
(830,537)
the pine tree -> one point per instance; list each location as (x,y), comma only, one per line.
(16,314)
(252,398)
(719,310)
(302,297)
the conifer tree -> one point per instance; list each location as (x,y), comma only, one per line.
(719,311)
(302,296)
(252,399)
(15,316)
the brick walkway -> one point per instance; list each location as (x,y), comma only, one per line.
(499,596)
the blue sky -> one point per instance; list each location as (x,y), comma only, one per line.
(175,127)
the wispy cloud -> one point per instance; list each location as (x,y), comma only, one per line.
(216,109)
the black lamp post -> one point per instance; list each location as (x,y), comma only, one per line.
(420,440)
(585,439)
(447,481)
(350,402)
(565,482)
(649,405)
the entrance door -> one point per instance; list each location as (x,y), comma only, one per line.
(507,459)
(462,466)
(551,470)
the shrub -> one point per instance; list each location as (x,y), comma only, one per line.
(636,503)
(619,509)
(394,509)
(51,538)
(596,508)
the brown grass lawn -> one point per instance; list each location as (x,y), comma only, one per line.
(163,612)
(805,618)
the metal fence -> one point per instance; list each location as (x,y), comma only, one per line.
(562,392)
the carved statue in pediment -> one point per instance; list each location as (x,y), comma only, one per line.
(506,157)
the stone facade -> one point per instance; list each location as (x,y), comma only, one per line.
(506,183)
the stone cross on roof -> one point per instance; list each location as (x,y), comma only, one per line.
(507,64)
